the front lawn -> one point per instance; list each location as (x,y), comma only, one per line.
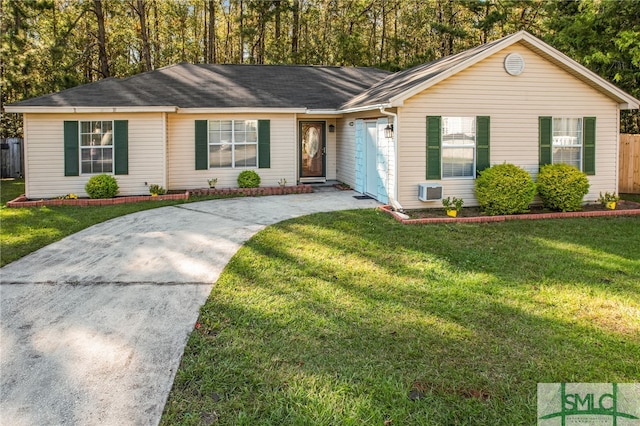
(352,318)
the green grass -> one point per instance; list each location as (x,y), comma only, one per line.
(346,318)
(352,318)
(25,230)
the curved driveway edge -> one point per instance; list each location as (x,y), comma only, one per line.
(93,326)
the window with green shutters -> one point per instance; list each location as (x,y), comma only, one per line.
(434,138)
(457,147)
(232,144)
(589,154)
(568,140)
(95,147)
(71,149)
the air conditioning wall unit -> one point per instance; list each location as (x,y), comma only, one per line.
(429,192)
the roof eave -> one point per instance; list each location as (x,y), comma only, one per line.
(85,109)
(242,110)
(366,108)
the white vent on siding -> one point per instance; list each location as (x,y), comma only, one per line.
(514,64)
(429,192)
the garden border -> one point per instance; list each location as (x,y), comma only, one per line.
(503,218)
(23,201)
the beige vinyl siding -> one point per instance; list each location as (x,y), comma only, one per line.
(346,151)
(181,152)
(44,154)
(331,156)
(514,104)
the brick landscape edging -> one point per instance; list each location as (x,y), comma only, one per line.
(266,190)
(23,201)
(528,216)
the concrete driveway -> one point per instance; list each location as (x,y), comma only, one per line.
(93,327)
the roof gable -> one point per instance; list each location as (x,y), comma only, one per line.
(395,89)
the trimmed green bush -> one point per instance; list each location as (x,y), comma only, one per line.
(102,186)
(248,179)
(562,187)
(504,189)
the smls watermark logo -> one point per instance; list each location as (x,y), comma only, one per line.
(589,404)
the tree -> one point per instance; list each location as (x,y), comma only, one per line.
(102,39)
(140,8)
(604,37)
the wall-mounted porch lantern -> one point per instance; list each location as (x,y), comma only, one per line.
(388,131)
(332,128)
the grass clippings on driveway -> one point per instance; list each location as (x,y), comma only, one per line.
(352,318)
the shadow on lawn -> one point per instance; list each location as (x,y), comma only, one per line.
(351,317)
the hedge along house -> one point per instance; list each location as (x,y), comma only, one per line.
(405,138)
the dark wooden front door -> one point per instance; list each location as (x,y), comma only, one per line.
(312,150)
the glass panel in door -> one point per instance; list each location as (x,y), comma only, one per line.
(312,149)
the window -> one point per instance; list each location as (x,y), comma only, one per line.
(233,143)
(96,147)
(458,147)
(567,141)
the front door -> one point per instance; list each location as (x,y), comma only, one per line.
(312,151)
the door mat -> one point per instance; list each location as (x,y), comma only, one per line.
(362,197)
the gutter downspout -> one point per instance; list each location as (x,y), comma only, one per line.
(393,198)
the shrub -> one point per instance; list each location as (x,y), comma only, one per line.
(248,179)
(608,197)
(452,204)
(505,189)
(156,189)
(102,186)
(562,187)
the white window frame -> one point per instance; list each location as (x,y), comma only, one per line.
(567,141)
(104,137)
(233,144)
(444,146)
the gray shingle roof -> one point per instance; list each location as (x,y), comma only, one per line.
(222,86)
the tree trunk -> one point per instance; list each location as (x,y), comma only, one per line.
(205,36)
(156,34)
(141,10)
(384,32)
(211,57)
(295,30)
(277,31)
(102,48)
(241,38)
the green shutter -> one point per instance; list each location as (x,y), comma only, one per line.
(434,136)
(121,147)
(589,151)
(202,145)
(545,129)
(264,144)
(482,142)
(71,149)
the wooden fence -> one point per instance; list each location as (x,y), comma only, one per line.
(10,157)
(629,176)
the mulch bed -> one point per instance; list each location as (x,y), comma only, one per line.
(474,215)
(23,201)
